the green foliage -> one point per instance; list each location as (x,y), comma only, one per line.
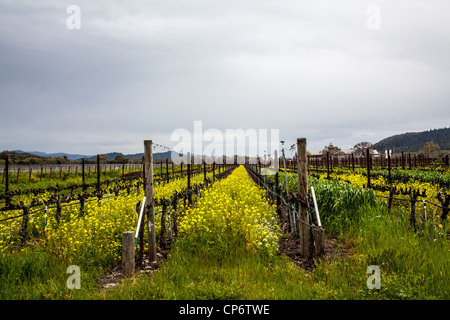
(414,141)
(341,205)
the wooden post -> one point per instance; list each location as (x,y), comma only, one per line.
(303,197)
(188,170)
(98,176)
(319,241)
(128,253)
(26,217)
(409,160)
(148,162)
(189,178)
(82,175)
(389,165)
(368,166)
(403,161)
(17,179)
(8,200)
(204,172)
(277,185)
(167,169)
(59,209)
(328,165)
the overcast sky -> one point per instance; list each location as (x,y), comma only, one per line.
(330,71)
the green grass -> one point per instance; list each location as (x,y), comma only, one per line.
(412,267)
(35,274)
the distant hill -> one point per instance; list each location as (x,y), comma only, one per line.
(414,141)
(40,156)
(69,156)
(19,157)
(156,155)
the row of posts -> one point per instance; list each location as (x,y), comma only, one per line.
(306,233)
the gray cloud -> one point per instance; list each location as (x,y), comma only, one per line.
(142,69)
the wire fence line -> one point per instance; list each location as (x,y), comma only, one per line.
(414,196)
(291,203)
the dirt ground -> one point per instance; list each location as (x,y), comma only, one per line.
(334,249)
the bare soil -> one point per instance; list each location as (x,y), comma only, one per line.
(334,249)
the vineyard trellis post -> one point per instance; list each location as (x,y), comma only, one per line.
(82,175)
(277,185)
(8,200)
(17,178)
(328,165)
(368,166)
(353,162)
(189,178)
(204,172)
(26,217)
(389,165)
(167,169)
(128,253)
(148,162)
(303,227)
(98,176)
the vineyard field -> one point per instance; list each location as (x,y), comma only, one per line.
(222,236)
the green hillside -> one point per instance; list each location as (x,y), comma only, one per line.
(414,141)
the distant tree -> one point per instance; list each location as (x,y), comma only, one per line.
(430,149)
(103,158)
(333,150)
(120,159)
(359,149)
(293,149)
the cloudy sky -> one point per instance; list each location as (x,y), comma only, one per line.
(124,71)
